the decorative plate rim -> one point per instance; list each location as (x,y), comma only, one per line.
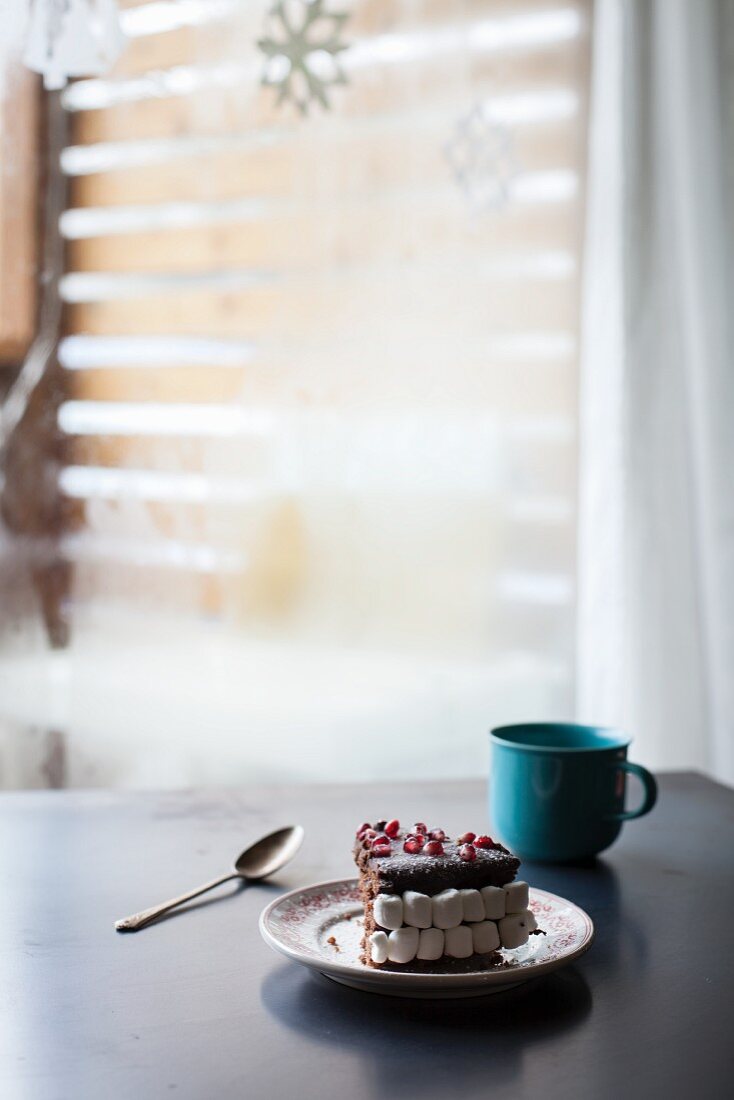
(376,977)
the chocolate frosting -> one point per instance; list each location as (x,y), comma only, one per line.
(403,871)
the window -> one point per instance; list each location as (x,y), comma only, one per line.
(320,377)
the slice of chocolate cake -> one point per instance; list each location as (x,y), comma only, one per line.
(430,899)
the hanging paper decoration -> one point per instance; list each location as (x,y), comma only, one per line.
(302,51)
(481,157)
(72,38)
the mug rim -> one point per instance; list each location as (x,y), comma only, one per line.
(622,740)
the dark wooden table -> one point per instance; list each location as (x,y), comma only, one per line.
(197,1005)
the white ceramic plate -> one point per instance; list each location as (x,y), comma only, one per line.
(301,924)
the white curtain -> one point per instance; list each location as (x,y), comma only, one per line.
(656,588)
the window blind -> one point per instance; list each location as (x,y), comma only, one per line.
(316,384)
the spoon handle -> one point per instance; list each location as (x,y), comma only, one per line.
(139,920)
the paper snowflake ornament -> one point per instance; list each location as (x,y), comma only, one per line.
(481,157)
(302,52)
(72,38)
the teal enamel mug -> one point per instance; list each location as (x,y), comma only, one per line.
(557,789)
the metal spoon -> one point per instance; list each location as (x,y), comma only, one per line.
(261,859)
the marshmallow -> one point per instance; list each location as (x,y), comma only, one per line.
(448,909)
(388,910)
(485,936)
(494,902)
(532,922)
(416,909)
(516,897)
(514,930)
(402,945)
(378,947)
(430,944)
(459,943)
(472,904)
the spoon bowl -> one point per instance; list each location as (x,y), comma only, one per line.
(269,854)
(261,859)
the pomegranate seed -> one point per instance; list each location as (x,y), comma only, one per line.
(467,852)
(381,839)
(437,834)
(363,826)
(392,828)
(465,838)
(380,850)
(434,848)
(419,827)
(484,842)
(412,845)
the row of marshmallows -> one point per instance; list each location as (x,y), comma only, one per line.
(450,907)
(457,923)
(428,944)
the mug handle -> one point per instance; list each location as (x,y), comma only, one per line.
(651,791)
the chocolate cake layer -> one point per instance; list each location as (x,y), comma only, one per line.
(401,871)
(432,901)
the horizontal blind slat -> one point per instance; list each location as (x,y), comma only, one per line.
(166,487)
(81,352)
(160,553)
(204,108)
(524,32)
(279,185)
(364,234)
(534,107)
(290,313)
(150,418)
(509,384)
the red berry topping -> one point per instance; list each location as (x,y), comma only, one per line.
(380,839)
(434,848)
(413,845)
(484,842)
(365,825)
(419,827)
(392,828)
(465,838)
(467,852)
(381,850)
(437,834)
